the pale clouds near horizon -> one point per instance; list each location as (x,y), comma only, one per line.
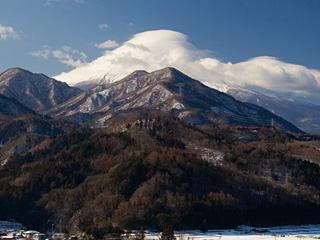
(154,50)
(8,32)
(65,55)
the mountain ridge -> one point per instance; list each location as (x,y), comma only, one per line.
(307,118)
(302,114)
(46,95)
(36,91)
(167,90)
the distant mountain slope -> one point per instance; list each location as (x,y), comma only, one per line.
(305,116)
(170,91)
(35,91)
(11,107)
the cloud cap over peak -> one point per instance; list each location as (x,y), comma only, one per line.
(274,75)
(153,50)
(149,51)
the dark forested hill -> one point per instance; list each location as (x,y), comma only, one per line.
(155,171)
(21,128)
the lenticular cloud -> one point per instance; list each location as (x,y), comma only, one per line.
(144,51)
(154,50)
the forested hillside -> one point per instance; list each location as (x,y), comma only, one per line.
(155,171)
(18,134)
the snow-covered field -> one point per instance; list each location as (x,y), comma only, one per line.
(304,232)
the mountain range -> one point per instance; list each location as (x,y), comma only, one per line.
(26,98)
(170,91)
(48,96)
(302,114)
(150,150)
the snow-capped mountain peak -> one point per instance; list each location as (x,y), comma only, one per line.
(166,90)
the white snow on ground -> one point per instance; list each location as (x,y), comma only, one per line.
(177,105)
(304,232)
(210,155)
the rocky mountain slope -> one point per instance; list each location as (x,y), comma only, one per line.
(11,107)
(166,90)
(36,91)
(305,116)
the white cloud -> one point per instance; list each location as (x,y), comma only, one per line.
(107,44)
(273,75)
(8,32)
(154,50)
(65,55)
(41,54)
(103,26)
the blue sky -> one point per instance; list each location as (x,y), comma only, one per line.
(234,30)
